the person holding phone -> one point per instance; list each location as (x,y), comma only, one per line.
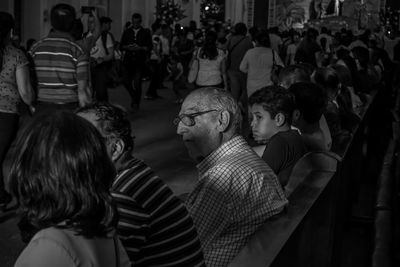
(137,43)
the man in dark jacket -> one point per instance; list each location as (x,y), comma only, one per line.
(137,43)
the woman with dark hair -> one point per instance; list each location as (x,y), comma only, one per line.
(61,175)
(211,60)
(258,63)
(14,85)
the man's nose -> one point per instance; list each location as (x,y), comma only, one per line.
(180,129)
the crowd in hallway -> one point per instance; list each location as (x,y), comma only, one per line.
(252,103)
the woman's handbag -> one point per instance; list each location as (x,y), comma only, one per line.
(194,69)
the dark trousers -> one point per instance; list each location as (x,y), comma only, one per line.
(156,78)
(100,78)
(133,73)
(8,131)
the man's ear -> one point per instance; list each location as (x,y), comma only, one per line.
(117,149)
(224,120)
(280,119)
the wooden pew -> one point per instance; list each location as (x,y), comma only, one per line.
(271,243)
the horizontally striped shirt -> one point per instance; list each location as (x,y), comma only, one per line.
(59,64)
(154,225)
(236,193)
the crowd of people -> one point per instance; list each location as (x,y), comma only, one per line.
(253,102)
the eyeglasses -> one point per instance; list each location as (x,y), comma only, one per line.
(188,119)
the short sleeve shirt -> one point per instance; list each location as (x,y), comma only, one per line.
(13,59)
(210,69)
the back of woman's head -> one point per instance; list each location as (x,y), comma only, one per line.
(61,175)
(209,50)
(262,38)
(6,24)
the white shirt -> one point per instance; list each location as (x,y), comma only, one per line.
(98,50)
(257,63)
(210,70)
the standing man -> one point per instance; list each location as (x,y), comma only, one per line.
(154,226)
(237,46)
(137,44)
(61,65)
(101,57)
(237,191)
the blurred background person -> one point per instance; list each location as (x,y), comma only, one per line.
(14,86)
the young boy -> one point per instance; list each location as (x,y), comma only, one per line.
(272,109)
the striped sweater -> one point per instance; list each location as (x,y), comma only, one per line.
(154,225)
(59,64)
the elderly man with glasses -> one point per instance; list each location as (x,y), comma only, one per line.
(236,191)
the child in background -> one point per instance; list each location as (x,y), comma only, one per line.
(175,70)
(272,108)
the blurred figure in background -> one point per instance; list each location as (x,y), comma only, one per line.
(14,86)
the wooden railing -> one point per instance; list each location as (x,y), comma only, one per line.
(311,231)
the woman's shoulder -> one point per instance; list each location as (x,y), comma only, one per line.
(49,247)
(13,51)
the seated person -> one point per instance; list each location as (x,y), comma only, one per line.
(339,113)
(237,191)
(328,80)
(301,73)
(60,176)
(310,104)
(272,108)
(154,225)
(348,95)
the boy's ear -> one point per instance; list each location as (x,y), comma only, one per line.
(280,119)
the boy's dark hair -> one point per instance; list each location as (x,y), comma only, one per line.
(62,173)
(310,100)
(274,99)
(112,120)
(62,17)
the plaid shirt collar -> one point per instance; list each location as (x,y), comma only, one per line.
(220,152)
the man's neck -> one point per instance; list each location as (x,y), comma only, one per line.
(121,161)
(308,128)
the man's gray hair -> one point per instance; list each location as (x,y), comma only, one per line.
(217,98)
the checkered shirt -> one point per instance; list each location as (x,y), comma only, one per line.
(236,192)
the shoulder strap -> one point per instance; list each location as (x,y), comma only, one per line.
(234,46)
(104,36)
